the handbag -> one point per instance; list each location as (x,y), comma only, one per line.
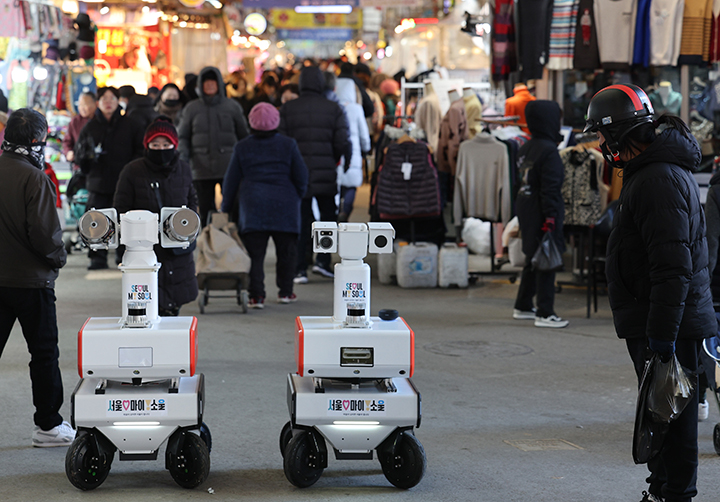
(547,258)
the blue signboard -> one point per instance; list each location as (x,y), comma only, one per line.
(316,34)
(291,4)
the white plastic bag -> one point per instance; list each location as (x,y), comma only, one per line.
(476,234)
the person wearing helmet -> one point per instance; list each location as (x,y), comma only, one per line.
(540,209)
(657,260)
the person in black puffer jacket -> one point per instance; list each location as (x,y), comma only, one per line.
(321,130)
(657,261)
(109,140)
(157,180)
(540,208)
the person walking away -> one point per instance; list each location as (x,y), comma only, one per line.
(540,208)
(320,128)
(141,108)
(31,254)
(350,173)
(657,261)
(269,176)
(87,104)
(170,103)
(209,128)
(113,140)
(160,179)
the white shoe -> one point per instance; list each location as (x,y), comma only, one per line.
(61,435)
(703,411)
(317,269)
(552,321)
(524,314)
(300,279)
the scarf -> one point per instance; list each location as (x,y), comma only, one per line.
(35,153)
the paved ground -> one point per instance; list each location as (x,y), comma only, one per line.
(492,388)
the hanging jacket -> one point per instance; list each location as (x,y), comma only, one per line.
(453,131)
(581,188)
(404,192)
(515,105)
(144,185)
(209,128)
(359,135)
(428,117)
(657,255)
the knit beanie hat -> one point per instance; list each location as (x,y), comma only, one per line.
(264,117)
(162,126)
(389,87)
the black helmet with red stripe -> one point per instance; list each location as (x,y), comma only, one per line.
(615,111)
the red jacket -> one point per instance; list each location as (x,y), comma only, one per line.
(73,133)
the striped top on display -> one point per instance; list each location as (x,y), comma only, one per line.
(562,34)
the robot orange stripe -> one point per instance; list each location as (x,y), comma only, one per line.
(412,348)
(193,346)
(79,350)
(300,341)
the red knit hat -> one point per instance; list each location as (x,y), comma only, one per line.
(162,126)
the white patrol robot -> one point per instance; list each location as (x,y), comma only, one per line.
(352,388)
(138,384)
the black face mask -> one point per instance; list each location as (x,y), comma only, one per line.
(160,157)
(171,102)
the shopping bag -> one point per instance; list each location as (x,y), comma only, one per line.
(547,258)
(220,250)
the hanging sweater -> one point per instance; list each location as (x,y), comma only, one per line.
(641,52)
(562,34)
(696,28)
(615,22)
(453,131)
(666,18)
(533,33)
(473,113)
(586,55)
(715,32)
(482,181)
(428,117)
(504,51)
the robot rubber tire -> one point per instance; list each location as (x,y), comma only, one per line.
(85,465)
(206,436)
(406,467)
(301,463)
(716,438)
(285,437)
(187,458)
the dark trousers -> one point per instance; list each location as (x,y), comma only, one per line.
(673,471)
(347,201)
(534,282)
(285,250)
(326,204)
(101,201)
(206,197)
(35,309)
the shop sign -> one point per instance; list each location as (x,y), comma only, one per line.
(288,18)
(112,40)
(323,34)
(255,23)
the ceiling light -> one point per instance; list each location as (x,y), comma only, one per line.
(323,9)
(104,10)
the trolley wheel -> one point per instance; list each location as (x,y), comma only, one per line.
(716,438)
(85,465)
(188,459)
(201,302)
(244,300)
(406,467)
(301,464)
(285,437)
(512,279)
(206,436)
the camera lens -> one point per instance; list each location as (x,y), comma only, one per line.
(326,242)
(381,241)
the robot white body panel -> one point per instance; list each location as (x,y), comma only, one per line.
(352,386)
(138,386)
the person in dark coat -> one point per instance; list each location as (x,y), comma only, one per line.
(209,128)
(269,175)
(115,141)
(540,208)
(170,102)
(320,128)
(87,104)
(347,70)
(141,109)
(657,261)
(160,179)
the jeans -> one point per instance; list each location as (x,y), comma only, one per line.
(673,471)
(35,309)
(534,282)
(347,200)
(206,198)
(326,204)
(285,249)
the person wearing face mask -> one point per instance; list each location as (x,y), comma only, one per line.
(110,141)
(170,103)
(157,180)
(657,261)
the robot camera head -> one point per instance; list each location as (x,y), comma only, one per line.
(325,237)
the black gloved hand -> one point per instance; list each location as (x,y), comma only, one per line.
(664,348)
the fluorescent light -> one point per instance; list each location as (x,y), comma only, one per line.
(215,4)
(104,10)
(135,424)
(342,422)
(323,9)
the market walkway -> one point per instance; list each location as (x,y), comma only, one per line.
(510,412)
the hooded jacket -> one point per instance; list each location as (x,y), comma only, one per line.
(541,177)
(712,223)
(359,135)
(141,109)
(657,258)
(209,128)
(321,130)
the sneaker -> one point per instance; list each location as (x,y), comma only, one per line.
(317,269)
(287,299)
(551,321)
(256,303)
(301,278)
(61,435)
(524,314)
(649,497)
(98,265)
(703,411)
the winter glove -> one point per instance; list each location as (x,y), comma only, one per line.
(549,225)
(665,349)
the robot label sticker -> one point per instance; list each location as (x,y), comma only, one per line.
(139,292)
(136,407)
(356,407)
(353,291)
